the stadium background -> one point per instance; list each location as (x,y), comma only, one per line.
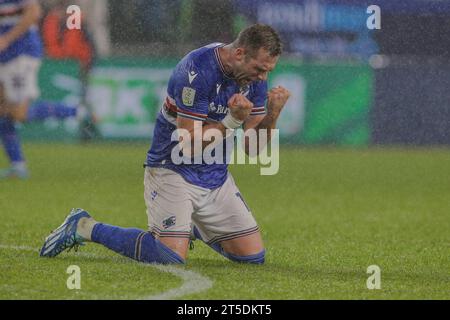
(350,85)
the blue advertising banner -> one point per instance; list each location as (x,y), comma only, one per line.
(331,28)
(313,27)
(413,7)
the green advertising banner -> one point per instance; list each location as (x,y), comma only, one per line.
(329,104)
(124,95)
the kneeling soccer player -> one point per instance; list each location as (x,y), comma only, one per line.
(218,87)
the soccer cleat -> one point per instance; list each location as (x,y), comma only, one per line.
(65,236)
(12,172)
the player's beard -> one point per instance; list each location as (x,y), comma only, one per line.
(242,79)
(241,75)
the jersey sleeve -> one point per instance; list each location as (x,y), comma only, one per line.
(258,98)
(191,92)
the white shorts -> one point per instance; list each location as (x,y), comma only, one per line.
(174,206)
(19,78)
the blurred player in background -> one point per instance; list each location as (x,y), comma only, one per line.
(218,87)
(20,59)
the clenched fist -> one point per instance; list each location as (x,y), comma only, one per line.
(277,98)
(240,107)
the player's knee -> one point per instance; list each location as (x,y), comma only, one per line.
(257,258)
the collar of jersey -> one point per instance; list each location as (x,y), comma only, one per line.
(219,62)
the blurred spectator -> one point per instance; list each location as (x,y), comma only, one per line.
(138,21)
(96,14)
(169,27)
(62,43)
(96,20)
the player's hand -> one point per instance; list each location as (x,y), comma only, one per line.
(240,107)
(4,43)
(277,98)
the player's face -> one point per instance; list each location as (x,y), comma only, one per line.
(248,69)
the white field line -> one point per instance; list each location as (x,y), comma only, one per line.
(192,282)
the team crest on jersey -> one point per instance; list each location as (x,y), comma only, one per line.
(188,96)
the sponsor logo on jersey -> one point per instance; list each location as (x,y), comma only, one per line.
(220,109)
(192,76)
(169,222)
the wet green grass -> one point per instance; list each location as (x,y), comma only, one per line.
(325,217)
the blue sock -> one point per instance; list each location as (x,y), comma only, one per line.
(134,243)
(254,258)
(10,140)
(257,258)
(41,110)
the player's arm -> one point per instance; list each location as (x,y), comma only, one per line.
(277,98)
(189,130)
(195,130)
(31,15)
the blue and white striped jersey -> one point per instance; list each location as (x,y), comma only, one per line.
(29,43)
